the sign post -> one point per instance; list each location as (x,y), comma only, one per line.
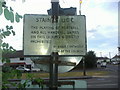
(53,80)
(55,36)
(42,36)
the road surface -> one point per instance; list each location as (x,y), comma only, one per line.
(108,81)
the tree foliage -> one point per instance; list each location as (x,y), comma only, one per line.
(9,13)
(11,16)
(8,72)
(90,59)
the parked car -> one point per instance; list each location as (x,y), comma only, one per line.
(23,69)
(103,64)
(115,63)
(35,69)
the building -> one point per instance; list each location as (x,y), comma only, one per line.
(102,59)
(64,11)
(116,58)
(17,59)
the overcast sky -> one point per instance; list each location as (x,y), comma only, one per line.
(101,22)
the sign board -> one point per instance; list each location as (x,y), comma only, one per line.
(42,37)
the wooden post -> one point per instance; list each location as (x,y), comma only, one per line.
(84,70)
(53,79)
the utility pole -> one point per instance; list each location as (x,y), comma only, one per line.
(110,56)
(100,54)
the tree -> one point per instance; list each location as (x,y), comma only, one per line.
(8,72)
(90,59)
(11,16)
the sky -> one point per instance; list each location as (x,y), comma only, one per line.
(101,22)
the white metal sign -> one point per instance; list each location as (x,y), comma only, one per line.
(67,37)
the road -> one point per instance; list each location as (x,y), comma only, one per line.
(108,81)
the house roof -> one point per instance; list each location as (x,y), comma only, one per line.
(116,56)
(102,58)
(19,63)
(17,54)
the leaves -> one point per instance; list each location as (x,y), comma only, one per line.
(7,32)
(1,10)
(5,45)
(18,17)
(90,59)
(39,81)
(9,73)
(3,3)
(11,9)
(30,76)
(11,17)
(6,48)
(18,74)
(9,27)
(9,14)
(13,32)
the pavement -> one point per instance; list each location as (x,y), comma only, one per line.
(72,78)
(75,78)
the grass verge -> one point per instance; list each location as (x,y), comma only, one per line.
(67,74)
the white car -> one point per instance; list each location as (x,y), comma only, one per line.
(35,69)
(103,64)
(115,63)
(24,69)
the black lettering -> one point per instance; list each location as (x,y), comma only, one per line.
(43,19)
(37,20)
(40,37)
(33,36)
(72,20)
(35,32)
(67,20)
(40,41)
(34,27)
